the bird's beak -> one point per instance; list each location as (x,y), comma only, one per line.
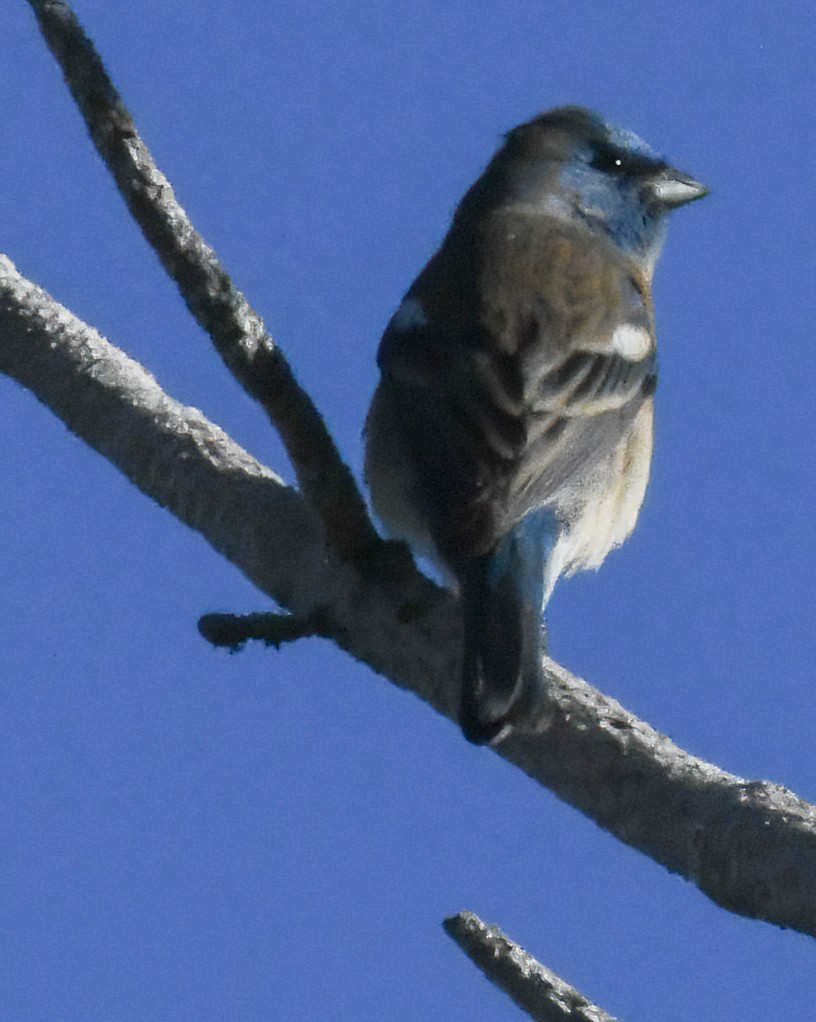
(674,188)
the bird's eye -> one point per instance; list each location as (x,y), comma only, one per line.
(609,161)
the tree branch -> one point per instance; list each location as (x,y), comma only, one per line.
(170,451)
(532,986)
(749,845)
(221,309)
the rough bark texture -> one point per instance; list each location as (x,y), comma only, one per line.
(749,845)
(533,987)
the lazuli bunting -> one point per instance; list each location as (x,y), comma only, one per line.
(510,436)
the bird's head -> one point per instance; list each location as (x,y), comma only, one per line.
(574,165)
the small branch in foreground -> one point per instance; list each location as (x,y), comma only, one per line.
(235,630)
(218,306)
(532,986)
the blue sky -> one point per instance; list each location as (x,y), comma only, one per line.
(190,835)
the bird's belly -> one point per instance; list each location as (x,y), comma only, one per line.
(603,508)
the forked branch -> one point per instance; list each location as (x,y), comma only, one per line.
(751,846)
(236,330)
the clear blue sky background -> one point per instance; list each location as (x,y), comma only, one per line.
(189,835)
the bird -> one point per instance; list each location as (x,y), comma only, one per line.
(509,438)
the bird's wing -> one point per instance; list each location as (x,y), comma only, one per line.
(512,391)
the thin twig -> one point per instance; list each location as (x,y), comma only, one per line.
(236,329)
(235,630)
(534,988)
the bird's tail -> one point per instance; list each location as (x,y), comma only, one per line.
(503,596)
